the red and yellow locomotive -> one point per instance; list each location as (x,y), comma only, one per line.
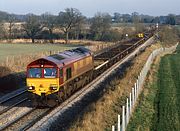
(52,79)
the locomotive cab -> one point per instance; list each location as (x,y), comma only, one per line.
(43,77)
(54,78)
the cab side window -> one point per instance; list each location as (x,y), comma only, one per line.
(68,73)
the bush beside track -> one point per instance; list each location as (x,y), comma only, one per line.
(159,109)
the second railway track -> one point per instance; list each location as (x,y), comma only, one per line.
(26,120)
(12,95)
(12,101)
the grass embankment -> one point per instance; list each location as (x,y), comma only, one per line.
(159,106)
(102,114)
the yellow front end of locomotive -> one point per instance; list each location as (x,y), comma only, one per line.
(140,35)
(42,86)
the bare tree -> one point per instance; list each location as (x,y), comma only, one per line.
(11,24)
(139,26)
(100,25)
(68,20)
(168,35)
(171,19)
(49,21)
(32,26)
(80,28)
(117,17)
(2,30)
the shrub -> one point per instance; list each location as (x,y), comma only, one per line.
(168,36)
(112,35)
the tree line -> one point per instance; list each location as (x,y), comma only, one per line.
(69,23)
(170,19)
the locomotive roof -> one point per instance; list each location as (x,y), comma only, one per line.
(68,56)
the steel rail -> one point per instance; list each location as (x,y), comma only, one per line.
(17,119)
(13,96)
(10,107)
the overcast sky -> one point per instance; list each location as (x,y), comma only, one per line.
(90,7)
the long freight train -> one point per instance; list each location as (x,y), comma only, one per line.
(52,79)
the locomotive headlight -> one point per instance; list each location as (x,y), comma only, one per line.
(53,87)
(31,87)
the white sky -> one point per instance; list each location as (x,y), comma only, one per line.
(90,7)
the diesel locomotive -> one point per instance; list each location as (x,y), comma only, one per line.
(52,79)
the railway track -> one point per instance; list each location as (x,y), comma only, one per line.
(26,120)
(13,105)
(15,112)
(18,115)
(6,118)
(31,115)
(12,95)
(13,100)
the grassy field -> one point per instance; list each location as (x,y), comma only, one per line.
(168,103)
(159,106)
(25,49)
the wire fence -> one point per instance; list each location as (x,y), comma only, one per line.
(127,110)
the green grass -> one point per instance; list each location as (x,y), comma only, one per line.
(168,104)
(142,119)
(25,49)
(159,106)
